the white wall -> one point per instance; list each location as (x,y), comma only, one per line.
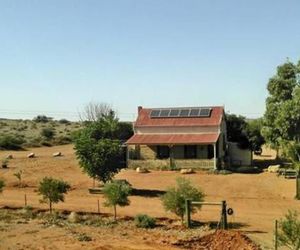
(239,156)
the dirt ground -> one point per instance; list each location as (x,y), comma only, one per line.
(257,199)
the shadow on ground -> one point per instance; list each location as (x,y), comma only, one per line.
(216,224)
(147,192)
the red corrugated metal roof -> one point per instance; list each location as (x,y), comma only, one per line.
(169,139)
(144,119)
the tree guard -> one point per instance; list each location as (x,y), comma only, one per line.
(222,204)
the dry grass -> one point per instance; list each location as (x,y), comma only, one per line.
(256,199)
(30,130)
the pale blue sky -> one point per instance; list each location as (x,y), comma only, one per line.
(56,56)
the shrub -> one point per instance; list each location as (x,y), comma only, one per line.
(11,142)
(33,142)
(62,140)
(33,126)
(46,144)
(2,185)
(28,212)
(144,221)
(4,163)
(64,121)
(18,175)
(116,193)
(175,197)
(84,237)
(3,124)
(42,118)
(48,133)
(289,230)
(53,190)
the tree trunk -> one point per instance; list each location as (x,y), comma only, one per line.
(277,153)
(50,207)
(115,212)
(182,219)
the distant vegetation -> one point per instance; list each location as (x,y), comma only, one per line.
(45,131)
(40,131)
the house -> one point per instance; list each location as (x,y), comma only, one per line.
(178,137)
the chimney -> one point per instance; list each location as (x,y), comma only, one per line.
(139,109)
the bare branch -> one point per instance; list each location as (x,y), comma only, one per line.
(94,111)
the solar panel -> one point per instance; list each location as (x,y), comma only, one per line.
(180,112)
(184,112)
(164,113)
(155,113)
(174,113)
(194,112)
(205,112)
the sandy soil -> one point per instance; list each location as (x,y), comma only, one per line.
(257,199)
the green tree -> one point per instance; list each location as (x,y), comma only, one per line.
(124,131)
(289,231)
(116,194)
(237,130)
(98,148)
(174,198)
(52,191)
(291,150)
(2,185)
(255,137)
(282,115)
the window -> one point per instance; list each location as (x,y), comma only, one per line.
(190,152)
(210,151)
(163,152)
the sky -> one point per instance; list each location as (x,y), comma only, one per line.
(58,55)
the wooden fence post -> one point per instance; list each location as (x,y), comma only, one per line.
(25,200)
(276,235)
(298,187)
(188,213)
(98,206)
(224,224)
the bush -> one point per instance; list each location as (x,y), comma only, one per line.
(64,121)
(84,237)
(48,133)
(46,144)
(175,197)
(144,221)
(289,230)
(2,185)
(42,118)
(11,142)
(4,163)
(62,140)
